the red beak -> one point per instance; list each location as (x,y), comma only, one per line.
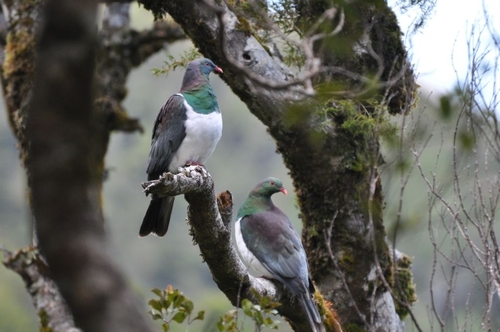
(218,70)
(283,190)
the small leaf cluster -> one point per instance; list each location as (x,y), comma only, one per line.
(173,63)
(285,15)
(228,322)
(172,306)
(259,313)
(361,119)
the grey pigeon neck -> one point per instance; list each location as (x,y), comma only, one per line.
(193,79)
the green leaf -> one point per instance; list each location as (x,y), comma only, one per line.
(156,315)
(178,300)
(264,301)
(157,292)
(258,318)
(155,305)
(247,307)
(172,63)
(188,305)
(220,325)
(200,315)
(445,105)
(466,140)
(227,323)
(179,317)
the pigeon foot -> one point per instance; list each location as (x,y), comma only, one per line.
(194,163)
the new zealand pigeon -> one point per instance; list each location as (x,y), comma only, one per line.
(185,132)
(267,241)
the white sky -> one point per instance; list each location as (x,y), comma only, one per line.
(442,44)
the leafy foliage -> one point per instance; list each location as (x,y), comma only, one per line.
(259,313)
(172,63)
(284,14)
(173,306)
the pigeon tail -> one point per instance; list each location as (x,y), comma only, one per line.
(313,316)
(157,217)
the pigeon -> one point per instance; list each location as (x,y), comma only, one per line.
(267,242)
(186,131)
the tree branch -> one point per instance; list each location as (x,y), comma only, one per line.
(121,50)
(212,233)
(50,307)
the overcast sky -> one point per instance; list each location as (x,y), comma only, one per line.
(442,44)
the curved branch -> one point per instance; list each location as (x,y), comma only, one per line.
(212,233)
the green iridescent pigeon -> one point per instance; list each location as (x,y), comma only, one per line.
(186,131)
(267,242)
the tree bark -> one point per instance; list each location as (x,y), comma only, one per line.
(64,183)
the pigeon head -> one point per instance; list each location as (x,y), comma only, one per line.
(197,73)
(269,187)
(206,66)
(259,198)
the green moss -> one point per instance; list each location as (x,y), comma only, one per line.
(351,327)
(347,261)
(44,321)
(20,46)
(357,126)
(327,310)
(376,19)
(404,288)
(244,25)
(18,68)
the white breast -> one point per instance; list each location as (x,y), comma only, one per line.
(203,132)
(246,255)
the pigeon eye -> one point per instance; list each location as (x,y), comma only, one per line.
(207,63)
(272,183)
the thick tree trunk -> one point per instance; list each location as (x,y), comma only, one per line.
(63,135)
(65,185)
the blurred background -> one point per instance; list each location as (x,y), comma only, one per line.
(245,155)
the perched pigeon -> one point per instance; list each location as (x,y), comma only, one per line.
(267,241)
(186,131)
